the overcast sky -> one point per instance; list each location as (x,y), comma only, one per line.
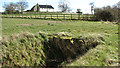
(74,4)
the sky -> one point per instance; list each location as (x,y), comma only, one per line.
(74,4)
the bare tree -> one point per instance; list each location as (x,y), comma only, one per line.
(22,5)
(11,7)
(64,6)
(92,7)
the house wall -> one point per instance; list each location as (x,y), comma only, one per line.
(35,8)
(49,10)
(43,9)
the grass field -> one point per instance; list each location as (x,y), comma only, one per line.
(103,55)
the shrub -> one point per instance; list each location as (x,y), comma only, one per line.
(104,15)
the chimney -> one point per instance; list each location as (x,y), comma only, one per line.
(37,4)
(37,7)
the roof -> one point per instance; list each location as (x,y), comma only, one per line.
(46,6)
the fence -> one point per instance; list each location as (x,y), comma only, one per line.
(51,16)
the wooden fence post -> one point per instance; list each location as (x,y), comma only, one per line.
(30,15)
(45,16)
(18,14)
(9,15)
(83,17)
(35,14)
(64,16)
(78,16)
(12,14)
(71,16)
(5,14)
(87,16)
(40,15)
(22,15)
(15,14)
(51,16)
(57,16)
(26,15)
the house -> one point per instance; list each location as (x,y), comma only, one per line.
(38,8)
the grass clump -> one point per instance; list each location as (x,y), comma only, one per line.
(23,50)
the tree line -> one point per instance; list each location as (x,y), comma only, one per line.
(63,5)
(15,7)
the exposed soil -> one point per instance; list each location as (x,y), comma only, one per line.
(25,24)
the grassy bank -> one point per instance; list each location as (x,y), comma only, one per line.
(105,54)
(44,50)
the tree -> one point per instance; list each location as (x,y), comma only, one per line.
(92,7)
(64,6)
(79,11)
(22,5)
(10,8)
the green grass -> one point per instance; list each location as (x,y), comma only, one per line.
(105,54)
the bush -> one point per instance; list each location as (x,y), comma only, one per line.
(104,15)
